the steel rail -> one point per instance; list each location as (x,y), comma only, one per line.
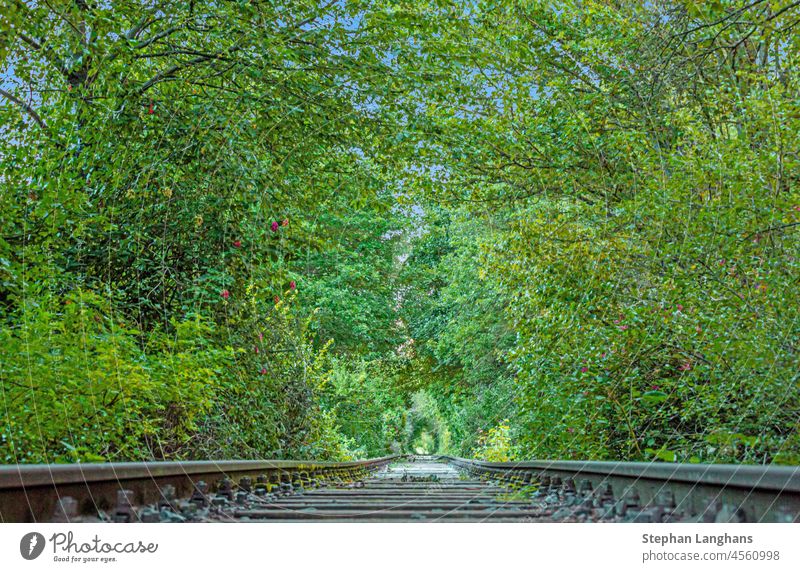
(33,493)
(766,477)
(709,491)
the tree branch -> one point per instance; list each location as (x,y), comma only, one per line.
(159,36)
(170,71)
(27,108)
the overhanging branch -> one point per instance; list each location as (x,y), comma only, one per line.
(25,107)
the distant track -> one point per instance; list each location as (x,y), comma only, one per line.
(398,488)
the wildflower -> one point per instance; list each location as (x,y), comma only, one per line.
(722,262)
(277,298)
(151,109)
(226,294)
(655,387)
(274,226)
(292,285)
(685,366)
(623,328)
(570,430)
(285,222)
(260,337)
(237,243)
(680,308)
(255,349)
(584,369)
(263,371)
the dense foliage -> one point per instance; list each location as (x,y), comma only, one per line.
(502,229)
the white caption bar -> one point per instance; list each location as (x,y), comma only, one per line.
(388,547)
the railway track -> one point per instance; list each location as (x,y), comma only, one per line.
(397,488)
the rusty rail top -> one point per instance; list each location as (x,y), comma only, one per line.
(785,479)
(24,476)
